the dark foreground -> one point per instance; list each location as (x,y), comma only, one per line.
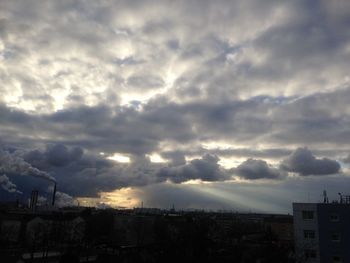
(143,235)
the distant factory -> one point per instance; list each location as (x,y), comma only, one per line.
(33,203)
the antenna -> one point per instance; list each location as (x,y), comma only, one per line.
(325,197)
(341,197)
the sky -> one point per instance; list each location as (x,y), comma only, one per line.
(239,105)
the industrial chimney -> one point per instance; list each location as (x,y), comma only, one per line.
(33,200)
(54,195)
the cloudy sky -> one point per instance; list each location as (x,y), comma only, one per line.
(239,105)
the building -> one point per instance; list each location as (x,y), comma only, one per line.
(322,232)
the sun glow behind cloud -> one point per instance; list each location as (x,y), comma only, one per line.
(118,157)
(120,198)
(156,158)
(125,197)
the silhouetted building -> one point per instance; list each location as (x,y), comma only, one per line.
(281,227)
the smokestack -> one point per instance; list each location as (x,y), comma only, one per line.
(54,195)
(33,200)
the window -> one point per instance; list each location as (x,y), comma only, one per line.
(334,217)
(310,253)
(308,215)
(309,234)
(335,237)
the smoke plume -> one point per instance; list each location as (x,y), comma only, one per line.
(7,185)
(10,163)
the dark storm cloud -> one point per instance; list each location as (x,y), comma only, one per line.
(205,169)
(212,120)
(100,128)
(76,173)
(178,156)
(82,174)
(313,34)
(55,155)
(253,169)
(299,47)
(302,161)
(118,128)
(59,154)
(311,120)
(142,172)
